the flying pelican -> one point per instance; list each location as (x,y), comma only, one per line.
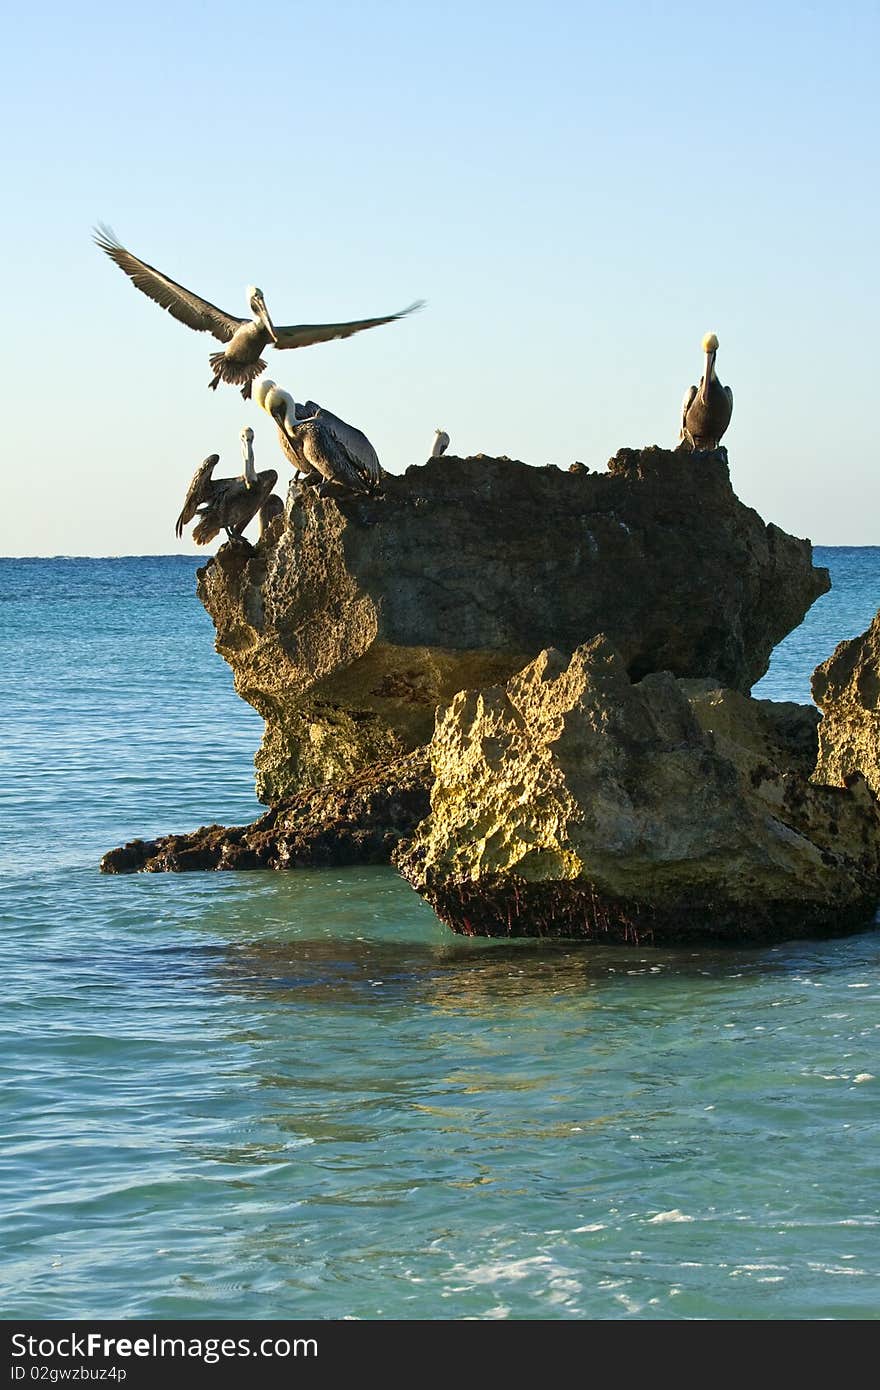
(226,503)
(240,362)
(316,442)
(706,410)
(441,443)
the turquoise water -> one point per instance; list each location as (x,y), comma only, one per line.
(255,1095)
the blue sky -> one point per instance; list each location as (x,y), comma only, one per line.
(579,191)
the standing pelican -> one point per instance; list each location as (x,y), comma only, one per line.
(226,503)
(441,443)
(240,362)
(706,410)
(319,444)
(280,404)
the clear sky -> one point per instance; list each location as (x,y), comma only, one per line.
(579,190)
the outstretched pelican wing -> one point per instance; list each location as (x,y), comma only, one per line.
(181,303)
(199,491)
(304,334)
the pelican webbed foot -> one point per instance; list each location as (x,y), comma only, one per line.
(331,487)
(236,538)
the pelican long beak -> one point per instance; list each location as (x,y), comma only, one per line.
(707,377)
(266,321)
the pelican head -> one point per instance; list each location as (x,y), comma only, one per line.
(260,312)
(710,347)
(262,392)
(276,402)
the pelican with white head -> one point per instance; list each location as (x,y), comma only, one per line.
(441,443)
(706,409)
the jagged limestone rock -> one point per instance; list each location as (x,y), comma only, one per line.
(846,688)
(353,620)
(755,733)
(574,802)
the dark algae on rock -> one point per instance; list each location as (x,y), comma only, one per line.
(359,821)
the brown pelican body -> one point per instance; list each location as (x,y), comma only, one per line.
(240,361)
(441,443)
(319,444)
(226,504)
(707,408)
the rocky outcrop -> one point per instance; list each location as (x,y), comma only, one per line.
(352,620)
(355,822)
(846,688)
(577,802)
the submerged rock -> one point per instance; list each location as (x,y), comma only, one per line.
(576,802)
(350,623)
(846,688)
(356,822)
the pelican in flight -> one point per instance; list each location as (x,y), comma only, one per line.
(226,503)
(441,443)
(320,445)
(706,409)
(239,363)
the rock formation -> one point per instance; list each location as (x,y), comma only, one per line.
(846,688)
(577,802)
(353,620)
(586,796)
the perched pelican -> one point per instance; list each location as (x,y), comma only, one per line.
(280,404)
(441,443)
(245,339)
(226,503)
(316,442)
(706,410)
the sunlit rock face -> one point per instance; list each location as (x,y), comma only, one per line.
(576,802)
(353,620)
(846,688)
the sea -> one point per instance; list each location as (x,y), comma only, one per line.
(257,1095)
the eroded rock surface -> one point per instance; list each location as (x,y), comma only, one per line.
(352,620)
(846,688)
(574,802)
